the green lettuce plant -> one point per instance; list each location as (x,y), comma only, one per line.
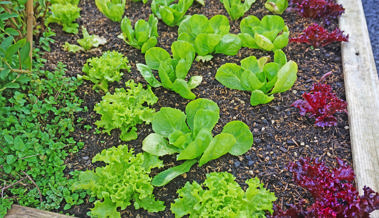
(190,135)
(86,43)
(236,8)
(221,196)
(170,14)
(144,36)
(125,109)
(268,34)
(123,179)
(209,36)
(64,15)
(276,6)
(261,78)
(104,69)
(171,71)
(113,9)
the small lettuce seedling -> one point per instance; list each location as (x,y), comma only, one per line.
(86,43)
(209,36)
(171,71)
(190,135)
(114,9)
(221,196)
(261,78)
(317,36)
(104,69)
(236,8)
(124,178)
(322,104)
(144,36)
(64,15)
(124,110)
(333,191)
(170,14)
(276,6)
(268,34)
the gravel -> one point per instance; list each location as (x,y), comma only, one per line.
(371,9)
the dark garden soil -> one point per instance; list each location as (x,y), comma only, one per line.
(281,135)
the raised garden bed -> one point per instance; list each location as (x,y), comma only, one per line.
(280,134)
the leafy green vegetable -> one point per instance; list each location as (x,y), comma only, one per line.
(261,78)
(144,36)
(209,36)
(221,196)
(65,15)
(72,47)
(190,135)
(171,71)
(276,6)
(90,41)
(113,9)
(125,109)
(268,34)
(236,8)
(5,205)
(86,43)
(125,178)
(170,14)
(104,69)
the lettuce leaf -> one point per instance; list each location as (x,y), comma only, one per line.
(221,196)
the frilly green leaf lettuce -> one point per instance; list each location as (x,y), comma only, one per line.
(123,179)
(221,196)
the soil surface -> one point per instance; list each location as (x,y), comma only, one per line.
(281,135)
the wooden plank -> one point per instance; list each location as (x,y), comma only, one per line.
(18,211)
(362,94)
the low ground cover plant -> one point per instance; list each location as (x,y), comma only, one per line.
(221,196)
(113,9)
(209,36)
(190,135)
(333,191)
(169,12)
(261,78)
(86,43)
(124,109)
(65,13)
(143,36)
(123,179)
(268,34)
(236,8)
(316,36)
(105,69)
(173,71)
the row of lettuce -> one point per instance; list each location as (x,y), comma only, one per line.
(125,177)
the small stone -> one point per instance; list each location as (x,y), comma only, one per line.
(302,143)
(85,158)
(346,127)
(294,91)
(184,175)
(250,162)
(295,153)
(237,164)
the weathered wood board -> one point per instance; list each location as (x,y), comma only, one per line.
(18,211)
(362,94)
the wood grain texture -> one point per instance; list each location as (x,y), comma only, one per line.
(18,211)
(362,94)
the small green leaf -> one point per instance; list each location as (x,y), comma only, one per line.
(157,145)
(220,145)
(155,56)
(242,134)
(230,75)
(148,75)
(287,76)
(263,42)
(168,120)
(259,97)
(166,176)
(199,104)
(181,87)
(197,146)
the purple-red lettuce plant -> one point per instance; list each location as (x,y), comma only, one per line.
(317,9)
(333,191)
(317,36)
(321,103)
